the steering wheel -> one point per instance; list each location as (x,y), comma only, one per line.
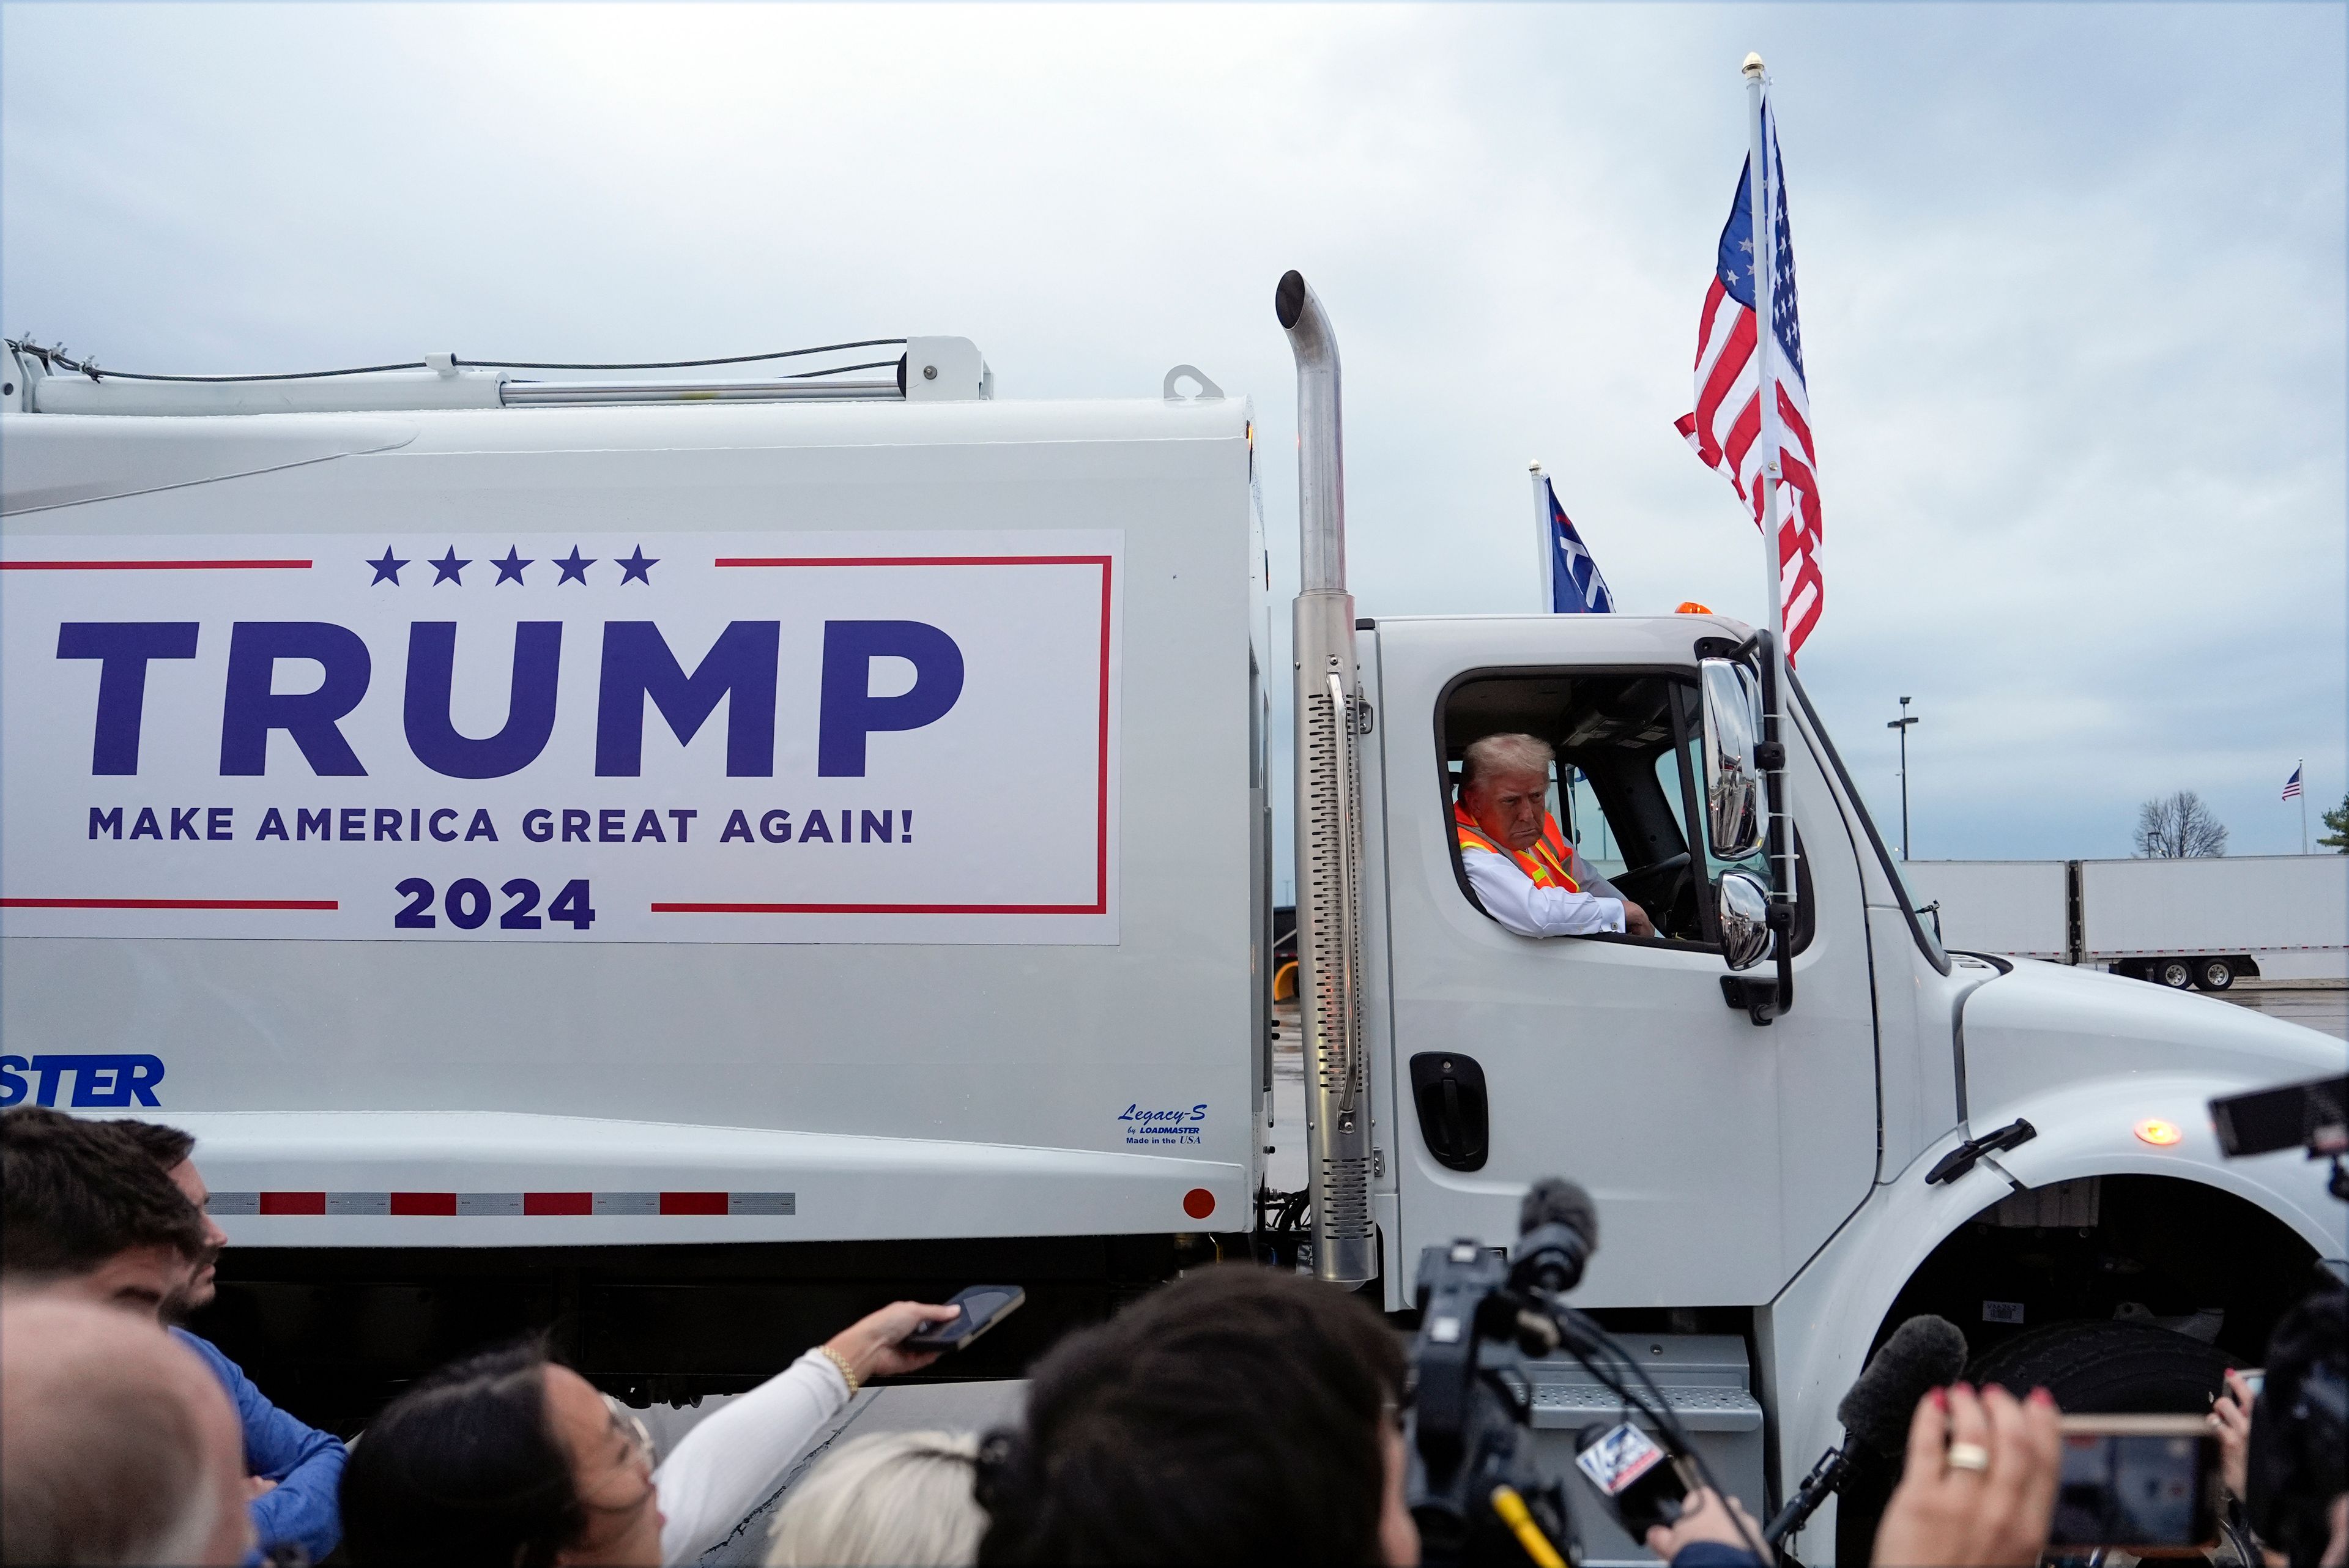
(1668,876)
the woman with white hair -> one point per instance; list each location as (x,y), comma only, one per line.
(901,1498)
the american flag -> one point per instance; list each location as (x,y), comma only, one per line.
(1728,429)
(2291,785)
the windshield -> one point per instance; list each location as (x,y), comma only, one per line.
(1927,937)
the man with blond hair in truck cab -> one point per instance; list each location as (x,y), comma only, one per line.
(1525,873)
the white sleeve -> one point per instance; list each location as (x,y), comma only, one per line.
(1589,881)
(726,1465)
(1510,896)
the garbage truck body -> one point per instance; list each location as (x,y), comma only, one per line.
(686,861)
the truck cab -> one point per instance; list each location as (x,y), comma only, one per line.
(1789,1164)
(1779,1189)
(1584,1052)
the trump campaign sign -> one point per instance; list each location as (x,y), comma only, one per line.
(562,737)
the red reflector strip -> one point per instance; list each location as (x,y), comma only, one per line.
(507,1205)
(293,1203)
(558,1203)
(420,1203)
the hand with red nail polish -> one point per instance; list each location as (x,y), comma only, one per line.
(1976,1514)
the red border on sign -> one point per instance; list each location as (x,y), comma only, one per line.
(168,904)
(1100,788)
(154,565)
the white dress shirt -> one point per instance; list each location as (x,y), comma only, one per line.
(1511,897)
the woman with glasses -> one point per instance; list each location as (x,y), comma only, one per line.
(507,1459)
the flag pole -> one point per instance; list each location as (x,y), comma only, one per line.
(2300,771)
(1545,547)
(1761,196)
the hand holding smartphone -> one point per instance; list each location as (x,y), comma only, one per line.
(979,1308)
(2136,1482)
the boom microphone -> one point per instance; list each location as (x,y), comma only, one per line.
(1558,1229)
(1922,1354)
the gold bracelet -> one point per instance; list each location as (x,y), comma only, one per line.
(847,1373)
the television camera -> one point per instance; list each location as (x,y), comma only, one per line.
(2299,1421)
(1472,1486)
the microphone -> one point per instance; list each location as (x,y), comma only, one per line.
(1558,1229)
(1922,1354)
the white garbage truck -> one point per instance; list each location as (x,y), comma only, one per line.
(669,863)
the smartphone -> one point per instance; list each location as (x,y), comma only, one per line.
(979,1308)
(2136,1483)
(1640,1482)
(2254,1378)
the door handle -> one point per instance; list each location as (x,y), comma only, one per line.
(1448,1091)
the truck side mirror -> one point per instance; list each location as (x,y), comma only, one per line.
(1733,781)
(1745,920)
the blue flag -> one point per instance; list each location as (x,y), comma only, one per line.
(1575,583)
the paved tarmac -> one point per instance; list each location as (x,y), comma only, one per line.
(2324,1008)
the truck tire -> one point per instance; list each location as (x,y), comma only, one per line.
(2213,974)
(2176,973)
(2109,1368)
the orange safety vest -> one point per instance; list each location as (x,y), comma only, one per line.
(1545,863)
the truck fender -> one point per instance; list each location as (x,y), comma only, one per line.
(1814,1337)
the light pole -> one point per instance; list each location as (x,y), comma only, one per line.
(1901,725)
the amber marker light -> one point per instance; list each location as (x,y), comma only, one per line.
(2158,1133)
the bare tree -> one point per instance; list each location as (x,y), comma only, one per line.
(2178,827)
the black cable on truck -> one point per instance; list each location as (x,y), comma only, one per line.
(53,360)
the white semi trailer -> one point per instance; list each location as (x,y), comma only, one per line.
(2200,922)
(671,864)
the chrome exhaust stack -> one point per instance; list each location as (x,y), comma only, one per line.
(1330,719)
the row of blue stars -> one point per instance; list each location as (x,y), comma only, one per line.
(636,567)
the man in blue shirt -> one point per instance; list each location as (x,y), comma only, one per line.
(295,1468)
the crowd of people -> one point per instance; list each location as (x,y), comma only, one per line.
(1237,1414)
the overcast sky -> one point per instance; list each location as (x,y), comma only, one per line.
(2072,289)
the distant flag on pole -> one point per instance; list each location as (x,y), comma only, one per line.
(1575,586)
(1729,429)
(2291,785)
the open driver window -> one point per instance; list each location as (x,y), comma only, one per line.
(1624,788)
